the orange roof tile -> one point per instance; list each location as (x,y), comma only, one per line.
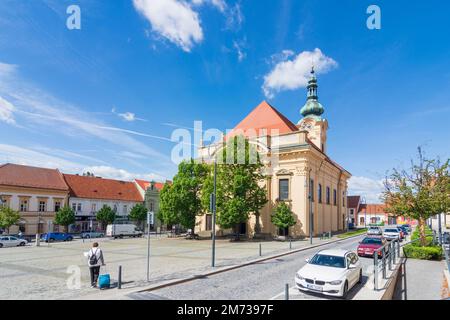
(31,177)
(264,116)
(145,184)
(99,188)
(372,208)
(353,201)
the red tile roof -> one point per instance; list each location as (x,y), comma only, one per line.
(145,184)
(264,116)
(372,208)
(99,188)
(353,201)
(31,177)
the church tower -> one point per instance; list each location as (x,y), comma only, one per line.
(312,116)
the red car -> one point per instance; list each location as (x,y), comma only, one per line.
(369,245)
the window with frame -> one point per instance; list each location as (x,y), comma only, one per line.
(151,206)
(94,207)
(328,195)
(343,198)
(57,206)
(115,208)
(334,197)
(23,206)
(74,207)
(42,206)
(319,196)
(79,207)
(125,209)
(283,189)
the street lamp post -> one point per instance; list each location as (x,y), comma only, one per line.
(213,207)
(310,209)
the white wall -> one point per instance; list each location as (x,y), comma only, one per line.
(86,206)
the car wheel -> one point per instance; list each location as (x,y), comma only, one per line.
(1,245)
(22,244)
(51,240)
(344,293)
(360,277)
(69,239)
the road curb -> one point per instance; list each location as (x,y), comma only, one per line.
(245,264)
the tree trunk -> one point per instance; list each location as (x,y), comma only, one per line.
(423,239)
(257,224)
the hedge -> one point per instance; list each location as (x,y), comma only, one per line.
(423,253)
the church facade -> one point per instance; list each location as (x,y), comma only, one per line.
(298,170)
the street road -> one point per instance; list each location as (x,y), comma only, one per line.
(261,281)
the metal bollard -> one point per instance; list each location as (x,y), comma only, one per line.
(119,281)
(390,256)
(394,258)
(38,240)
(290,244)
(384,262)
(329,235)
(375,271)
(260,250)
(286,291)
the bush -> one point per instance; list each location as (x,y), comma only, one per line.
(423,253)
(428,236)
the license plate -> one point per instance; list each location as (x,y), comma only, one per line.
(314,287)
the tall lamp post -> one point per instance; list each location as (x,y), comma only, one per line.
(213,209)
(310,209)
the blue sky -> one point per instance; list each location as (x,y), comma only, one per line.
(107,98)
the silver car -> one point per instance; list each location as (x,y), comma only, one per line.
(374,231)
(8,241)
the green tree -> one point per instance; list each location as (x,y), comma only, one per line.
(420,192)
(138,213)
(106,216)
(239,194)
(283,217)
(8,218)
(65,217)
(180,202)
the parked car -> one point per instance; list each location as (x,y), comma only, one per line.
(446,240)
(369,245)
(331,272)
(374,231)
(407,226)
(404,229)
(123,230)
(392,233)
(92,234)
(56,236)
(9,241)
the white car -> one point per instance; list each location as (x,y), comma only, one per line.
(374,231)
(8,241)
(392,233)
(331,272)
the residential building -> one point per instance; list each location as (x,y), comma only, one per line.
(353,204)
(296,166)
(88,194)
(37,193)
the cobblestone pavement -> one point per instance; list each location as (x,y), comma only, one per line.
(42,272)
(264,280)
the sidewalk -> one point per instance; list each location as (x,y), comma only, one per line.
(421,280)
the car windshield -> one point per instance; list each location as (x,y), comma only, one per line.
(328,261)
(373,228)
(391,230)
(371,241)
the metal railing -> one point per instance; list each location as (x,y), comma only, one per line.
(389,253)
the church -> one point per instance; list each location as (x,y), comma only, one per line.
(298,171)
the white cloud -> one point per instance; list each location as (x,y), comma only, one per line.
(6,111)
(219,4)
(127,116)
(7,69)
(174,20)
(23,156)
(291,74)
(368,188)
(239,49)
(234,17)
(120,174)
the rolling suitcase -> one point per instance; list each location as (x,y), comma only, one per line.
(104,281)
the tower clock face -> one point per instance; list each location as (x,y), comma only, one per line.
(306,126)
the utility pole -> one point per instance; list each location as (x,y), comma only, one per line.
(213,207)
(148,246)
(440,228)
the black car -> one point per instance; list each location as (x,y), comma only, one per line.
(405,229)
